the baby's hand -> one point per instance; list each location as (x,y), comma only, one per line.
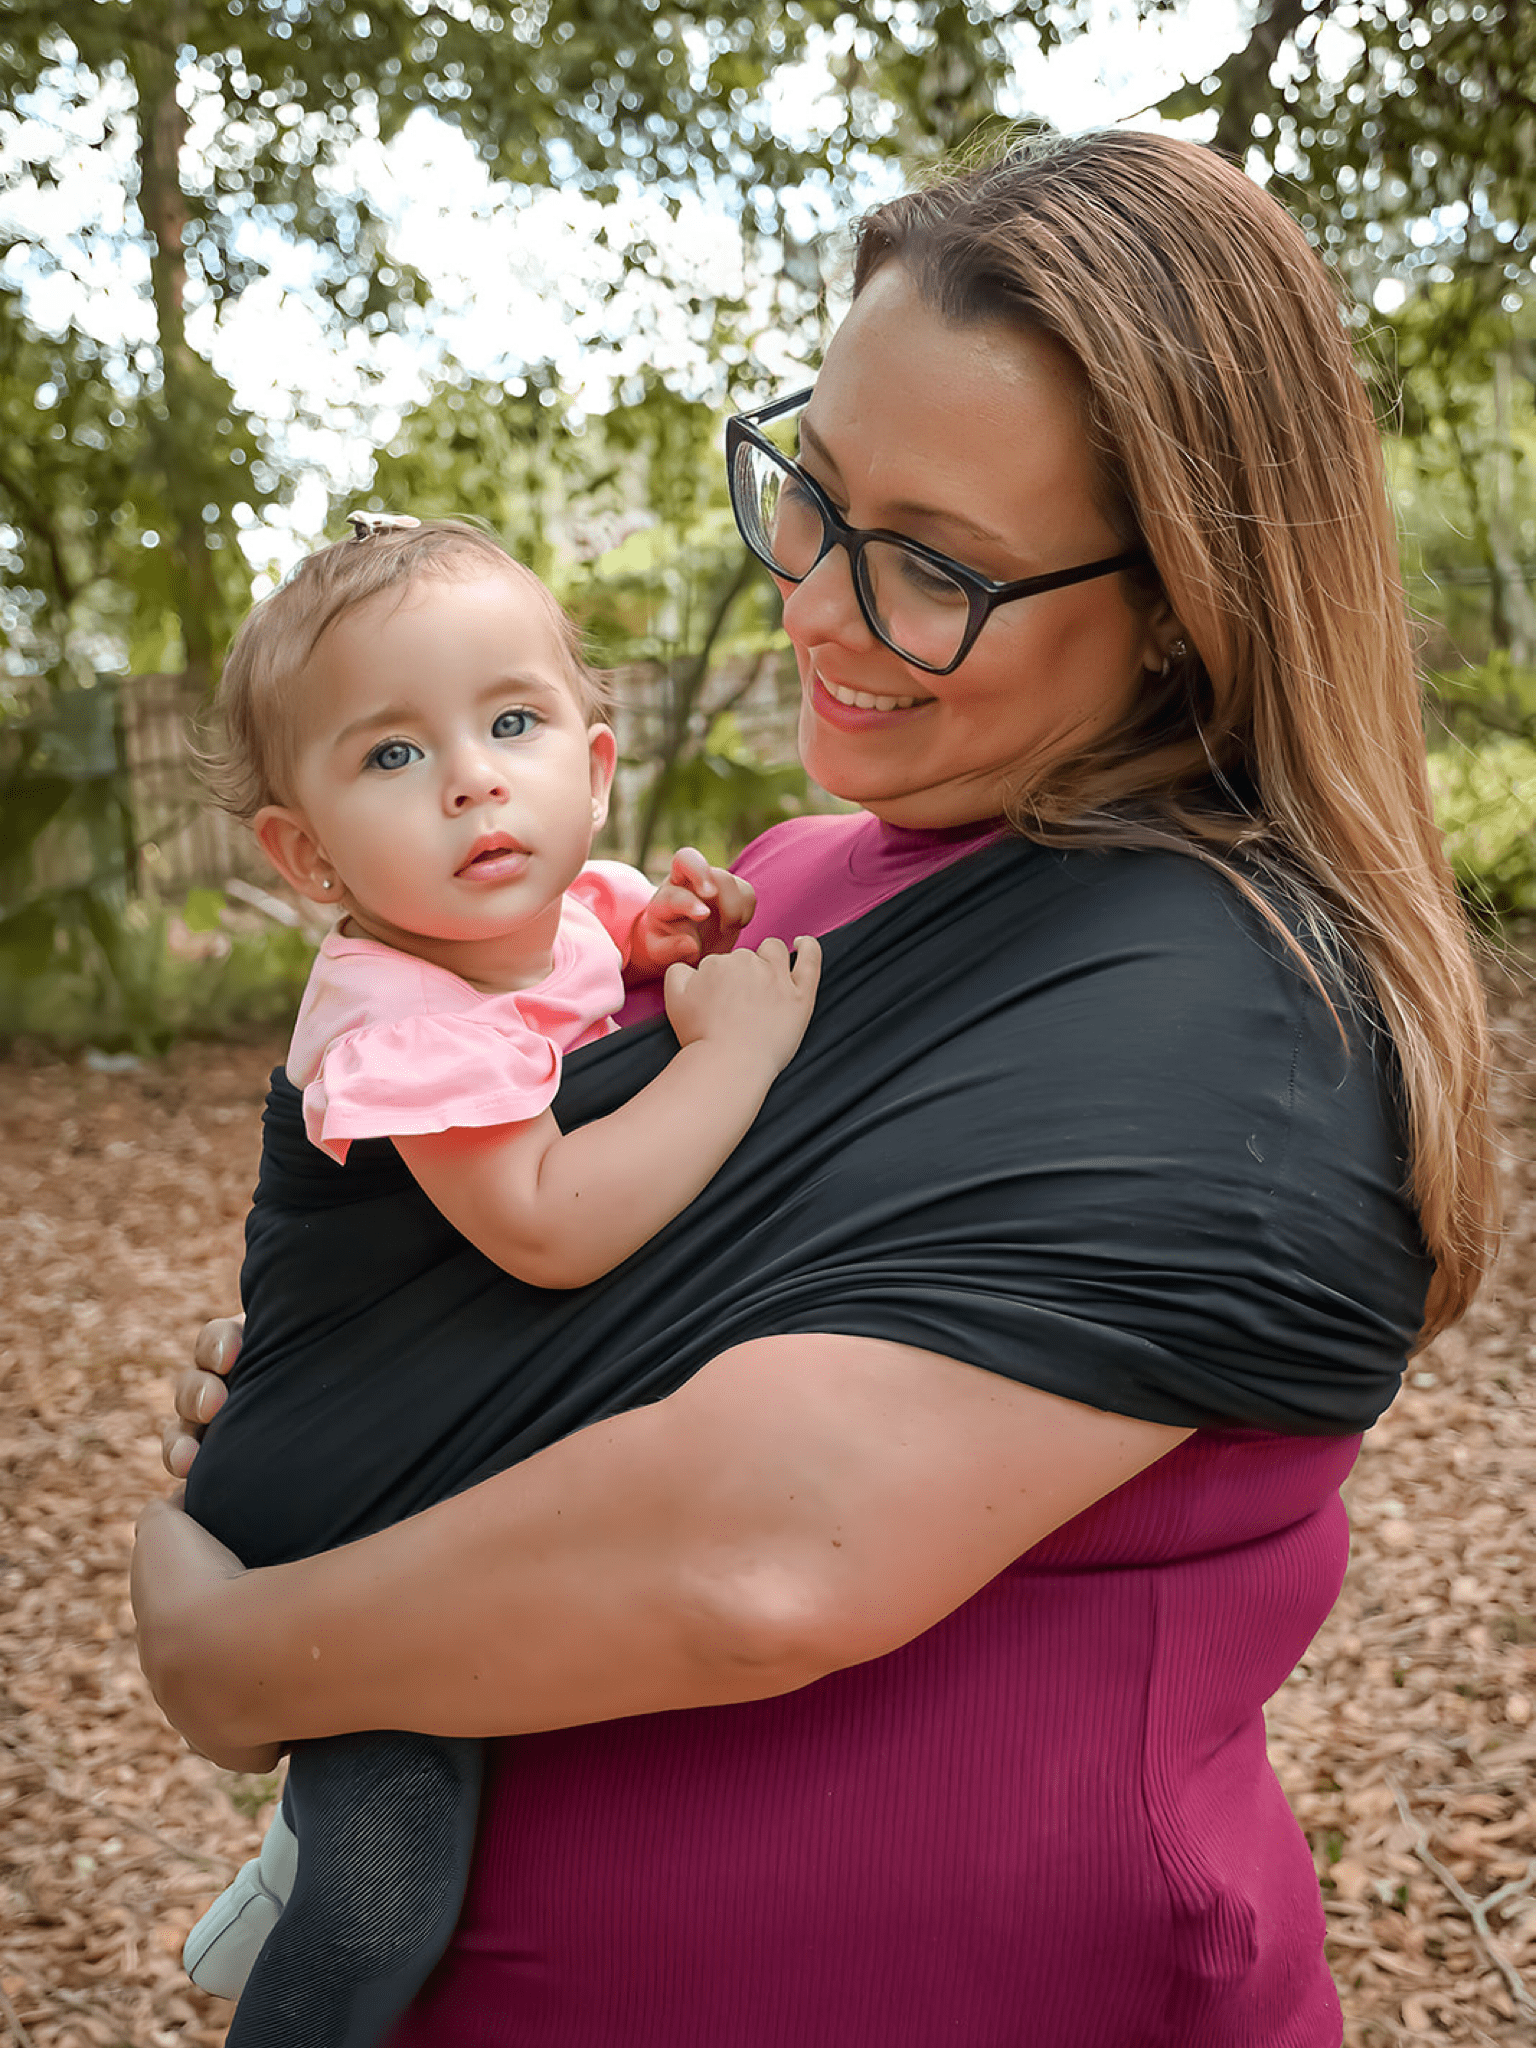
(698,910)
(753,1004)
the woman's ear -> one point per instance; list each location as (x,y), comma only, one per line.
(604,755)
(1162,637)
(288,841)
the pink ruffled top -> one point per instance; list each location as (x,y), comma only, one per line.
(389,1046)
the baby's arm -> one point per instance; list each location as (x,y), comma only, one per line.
(559,1209)
(698,910)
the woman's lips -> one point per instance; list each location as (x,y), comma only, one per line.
(877,712)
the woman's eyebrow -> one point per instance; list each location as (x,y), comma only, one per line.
(810,439)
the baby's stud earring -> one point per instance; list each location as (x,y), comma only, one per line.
(327,883)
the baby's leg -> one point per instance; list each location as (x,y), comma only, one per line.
(386,1829)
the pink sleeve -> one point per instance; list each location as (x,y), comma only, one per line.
(435,1073)
(615,895)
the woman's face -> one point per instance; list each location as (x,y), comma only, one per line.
(970,438)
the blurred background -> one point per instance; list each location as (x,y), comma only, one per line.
(516,259)
(268,260)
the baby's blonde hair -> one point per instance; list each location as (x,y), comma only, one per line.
(258,695)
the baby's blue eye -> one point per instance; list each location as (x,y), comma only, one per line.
(511,725)
(394,754)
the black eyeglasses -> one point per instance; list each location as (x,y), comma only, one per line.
(919,603)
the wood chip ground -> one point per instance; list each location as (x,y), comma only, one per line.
(1406,1740)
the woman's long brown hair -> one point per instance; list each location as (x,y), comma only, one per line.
(1236,441)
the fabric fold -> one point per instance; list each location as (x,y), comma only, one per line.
(1077,1119)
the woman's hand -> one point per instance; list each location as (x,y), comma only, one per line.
(179,1574)
(200,1392)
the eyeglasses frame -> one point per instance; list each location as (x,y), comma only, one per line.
(983,594)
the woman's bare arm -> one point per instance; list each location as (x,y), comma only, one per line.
(802,1504)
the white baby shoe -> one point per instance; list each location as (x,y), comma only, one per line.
(224,1944)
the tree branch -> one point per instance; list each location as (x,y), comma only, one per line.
(43,527)
(1476,1910)
(1245,88)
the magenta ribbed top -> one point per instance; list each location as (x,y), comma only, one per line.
(1047,1823)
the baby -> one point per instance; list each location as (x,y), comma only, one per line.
(416,741)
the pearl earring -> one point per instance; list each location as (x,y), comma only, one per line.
(327,883)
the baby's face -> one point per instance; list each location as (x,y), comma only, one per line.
(446,772)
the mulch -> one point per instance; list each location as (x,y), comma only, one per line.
(1406,1740)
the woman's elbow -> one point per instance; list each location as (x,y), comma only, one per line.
(777,1627)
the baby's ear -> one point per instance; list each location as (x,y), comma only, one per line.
(288,841)
(603,755)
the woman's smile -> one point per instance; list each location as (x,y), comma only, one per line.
(852,709)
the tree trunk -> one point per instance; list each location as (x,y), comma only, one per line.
(1245,87)
(1512,596)
(152,60)
(687,690)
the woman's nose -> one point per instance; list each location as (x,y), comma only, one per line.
(824,606)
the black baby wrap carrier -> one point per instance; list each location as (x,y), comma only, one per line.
(1074,1118)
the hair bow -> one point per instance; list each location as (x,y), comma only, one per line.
(365,525)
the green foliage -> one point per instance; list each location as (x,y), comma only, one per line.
(107,973)
(244,124)
(86,559)
(1485,799)
(83,958)
(1497,696)
(62,788)
(474,451)
(1402,131)
(1483,772)
(721,796)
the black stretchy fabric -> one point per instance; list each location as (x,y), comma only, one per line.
(1075,1118)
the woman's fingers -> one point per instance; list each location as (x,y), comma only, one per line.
(218,1345)
(200,1393)
(199,1396)
(177,1449)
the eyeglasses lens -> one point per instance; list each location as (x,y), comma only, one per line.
(918,610)
(921,611)
(780,519)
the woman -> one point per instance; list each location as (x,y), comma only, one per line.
(898,1677)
